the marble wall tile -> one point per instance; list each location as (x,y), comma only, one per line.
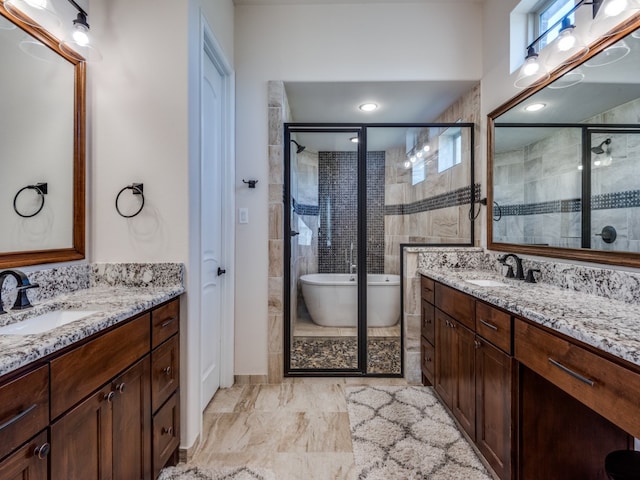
(412,369)
(412,333)
(275,222)
(275,295)
(276,129)
(276,166)
(276,329)
(275,89)
(412,300)
(276,367)
(276,260)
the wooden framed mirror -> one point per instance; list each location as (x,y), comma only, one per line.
(42,133)
(566,184)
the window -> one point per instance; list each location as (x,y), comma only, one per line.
(549,14)
(450,149)
(418,172)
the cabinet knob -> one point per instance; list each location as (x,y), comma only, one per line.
(167,430)
(477,343)
(109,396)
(167,371)
(120,387)
(42,451)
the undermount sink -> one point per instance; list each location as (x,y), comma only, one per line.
(481,282)
(45,322)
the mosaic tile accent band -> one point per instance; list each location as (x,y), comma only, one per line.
(461,196)
(605,201)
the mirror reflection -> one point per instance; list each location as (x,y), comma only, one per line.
(565,159)
(40,145)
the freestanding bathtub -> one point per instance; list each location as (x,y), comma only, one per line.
(332,299)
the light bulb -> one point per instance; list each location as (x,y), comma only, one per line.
(80,35)
(531,66)
(580,167)
(597,163)
(413,159)
(426,148)
(419,154)
(615,7)
(407,164)
(566,40)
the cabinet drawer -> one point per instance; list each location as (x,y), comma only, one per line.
(165,371)
(458,305)
(428,328)
(166,434)
(165,322)
(427,289)
(494,325)
(607,388)
(79,372)
(24,408)
(427,357)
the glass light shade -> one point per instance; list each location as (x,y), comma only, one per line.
(37,13)
(612,15)
(78,45)
(566,48)
(609,55)
(37,49)
(407,164)
(426,148)
(531,73)
(569,79)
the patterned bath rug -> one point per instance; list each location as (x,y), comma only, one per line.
(405,433)
(193,472)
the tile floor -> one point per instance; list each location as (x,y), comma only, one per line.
(298,429)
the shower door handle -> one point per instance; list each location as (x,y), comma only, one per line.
(294,233)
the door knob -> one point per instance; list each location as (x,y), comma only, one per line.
(221,271)
(294,233)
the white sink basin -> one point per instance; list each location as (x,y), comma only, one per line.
(487,283)
(45,322)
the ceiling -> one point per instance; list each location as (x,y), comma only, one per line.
(327,2)
(398,102)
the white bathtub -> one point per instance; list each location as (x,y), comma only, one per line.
(332,299)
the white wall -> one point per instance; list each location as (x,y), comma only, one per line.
(138,130)
(348,42)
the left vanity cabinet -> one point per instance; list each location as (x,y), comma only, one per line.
(95,397)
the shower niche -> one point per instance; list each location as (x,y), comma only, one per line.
(352,195)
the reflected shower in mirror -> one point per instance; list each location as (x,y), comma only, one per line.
(564,160)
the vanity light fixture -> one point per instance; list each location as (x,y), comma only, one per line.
(532,71)
(368,107)
(78,42)
(611,16)
(36,13)
(567,47)
(534,107)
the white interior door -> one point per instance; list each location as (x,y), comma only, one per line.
(211,230)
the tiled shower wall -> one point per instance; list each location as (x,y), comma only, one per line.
(538,188)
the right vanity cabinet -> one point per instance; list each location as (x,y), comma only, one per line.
(536,403)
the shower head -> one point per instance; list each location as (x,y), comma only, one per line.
(300,147)
(599,150)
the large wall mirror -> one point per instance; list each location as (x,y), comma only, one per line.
(42,125)
(564,181)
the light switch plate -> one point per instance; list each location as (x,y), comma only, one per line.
(243,215)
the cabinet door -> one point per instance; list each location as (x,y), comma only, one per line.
(28,462)
(81,440)
(493,407)
(445,359)
(464,399)
(132,423)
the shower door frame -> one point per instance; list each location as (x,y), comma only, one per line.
(361,130)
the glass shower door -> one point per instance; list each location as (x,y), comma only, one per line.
(322,220)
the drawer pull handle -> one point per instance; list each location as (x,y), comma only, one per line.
(487,324)
(42,451)
(109,396)
(167,430)
(168,322)
(571,372)
(167,371)
(477,344)
(120,387)
(17,418)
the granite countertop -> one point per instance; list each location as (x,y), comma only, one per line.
(610,325)
(113,305)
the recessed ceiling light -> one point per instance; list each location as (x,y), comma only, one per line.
(368,107)
(534,107)
(354,139)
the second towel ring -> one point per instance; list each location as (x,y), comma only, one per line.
(41,189)
(137,189)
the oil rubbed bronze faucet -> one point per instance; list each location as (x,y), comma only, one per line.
(519,275)
(22,301)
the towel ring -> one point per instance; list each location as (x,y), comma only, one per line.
(496,218)
(137,189)
(41,189)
